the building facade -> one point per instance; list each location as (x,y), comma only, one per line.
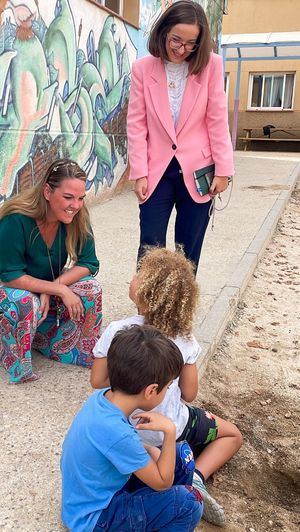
(65,68)
(269,89)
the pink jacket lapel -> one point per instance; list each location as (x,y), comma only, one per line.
(190,96)
(159,95)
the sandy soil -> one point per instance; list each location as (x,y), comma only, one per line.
(254,380)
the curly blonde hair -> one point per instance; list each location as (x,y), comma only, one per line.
(167,291)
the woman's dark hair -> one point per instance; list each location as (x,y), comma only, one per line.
(182,12)
(141,355)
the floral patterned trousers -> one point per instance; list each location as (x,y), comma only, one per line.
(71,342)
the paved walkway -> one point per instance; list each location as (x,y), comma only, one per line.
(262,186)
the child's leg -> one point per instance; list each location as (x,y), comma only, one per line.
(177,509)
(73,341)
(138,507)
(214,441)
(218,452)
(18,323)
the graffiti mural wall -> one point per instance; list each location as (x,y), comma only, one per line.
(64,85)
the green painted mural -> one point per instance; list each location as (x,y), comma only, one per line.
(64,88)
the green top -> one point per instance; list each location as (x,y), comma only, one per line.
(23,251)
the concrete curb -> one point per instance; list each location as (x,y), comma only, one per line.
(212,328)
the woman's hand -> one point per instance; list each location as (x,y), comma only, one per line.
(72,302)
(141,188)
(219,184)
(44,307)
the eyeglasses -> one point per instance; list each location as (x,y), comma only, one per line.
(176,44)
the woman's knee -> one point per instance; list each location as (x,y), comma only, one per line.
(20,304)
(86,287)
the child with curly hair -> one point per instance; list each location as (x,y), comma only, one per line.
(166,295)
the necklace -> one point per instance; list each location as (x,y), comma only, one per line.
(59,306)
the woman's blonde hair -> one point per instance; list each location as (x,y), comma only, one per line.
(167,291)
(32,203)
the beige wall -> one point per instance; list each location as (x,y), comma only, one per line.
(262,16)
(131,11)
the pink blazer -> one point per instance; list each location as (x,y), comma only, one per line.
(201,136)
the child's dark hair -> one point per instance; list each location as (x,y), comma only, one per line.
(182,12)
(141,355)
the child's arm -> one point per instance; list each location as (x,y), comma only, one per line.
(159,475)
(99,374)
(154,452)
(188,382)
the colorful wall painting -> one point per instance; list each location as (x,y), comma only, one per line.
(64,86)
(65,68)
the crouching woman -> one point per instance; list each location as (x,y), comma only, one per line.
(57,311)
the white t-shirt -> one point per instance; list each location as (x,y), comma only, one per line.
(172,406)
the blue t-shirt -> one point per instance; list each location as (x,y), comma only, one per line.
(100,452)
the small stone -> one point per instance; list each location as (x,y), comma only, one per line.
(288,415)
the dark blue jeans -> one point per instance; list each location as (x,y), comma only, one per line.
(191,219)
(137,508)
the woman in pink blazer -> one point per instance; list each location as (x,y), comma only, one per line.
(177,123)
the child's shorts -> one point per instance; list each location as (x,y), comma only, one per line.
(200,429)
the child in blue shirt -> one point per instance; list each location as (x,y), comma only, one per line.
(165,292)
(110,480)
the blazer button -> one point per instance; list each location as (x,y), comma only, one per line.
(174,146)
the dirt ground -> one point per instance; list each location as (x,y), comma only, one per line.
(254,381)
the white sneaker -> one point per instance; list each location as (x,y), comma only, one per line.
(213,511)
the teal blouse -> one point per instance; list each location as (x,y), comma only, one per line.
(24,252)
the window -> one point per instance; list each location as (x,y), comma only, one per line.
(128,9)
(114,5)
(271,91)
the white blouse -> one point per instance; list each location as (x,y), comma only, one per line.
(176,81)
